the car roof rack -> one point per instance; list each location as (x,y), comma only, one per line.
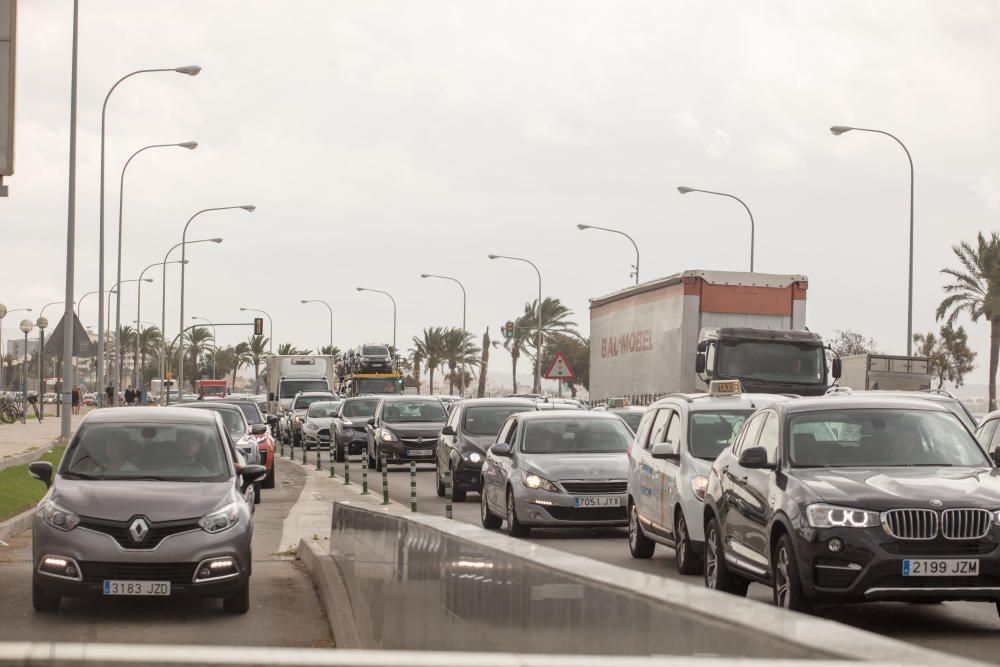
(837,389)
(939,392)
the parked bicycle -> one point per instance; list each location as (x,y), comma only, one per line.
(12,411)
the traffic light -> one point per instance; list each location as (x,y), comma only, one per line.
(258,326)
(508,329)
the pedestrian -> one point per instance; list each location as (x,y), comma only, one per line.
(129,395)
(76,399)
(138,395)
(110,393)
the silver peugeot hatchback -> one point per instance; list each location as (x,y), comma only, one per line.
(145,502)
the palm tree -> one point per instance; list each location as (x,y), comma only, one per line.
(431,350)
(458,352)
(516,345)
(484,364)
(330,351)
(150,340)
(288,348)
(975,290)
(256,351)
(415,360)
(241,357)
(199,341)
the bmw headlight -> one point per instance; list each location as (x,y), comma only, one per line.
(533,481)
(831,516)
(220,520)
(58,516)
(388,436)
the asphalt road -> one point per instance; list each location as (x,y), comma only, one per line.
(285,610)
(968,629)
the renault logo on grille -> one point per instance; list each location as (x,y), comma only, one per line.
(138,529)
(936,503)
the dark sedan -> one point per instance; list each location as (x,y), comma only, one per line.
(851,499)
(348,428)
(404,429)
(472,427)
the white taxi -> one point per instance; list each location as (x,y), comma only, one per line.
(669,461)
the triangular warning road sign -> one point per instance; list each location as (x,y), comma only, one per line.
(82,345)
(560,370)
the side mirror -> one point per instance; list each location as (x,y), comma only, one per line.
(272,420)
(252,473)
(665,451)
(501,449)
(836,368)
(699,363)
(448,430)
(371,422)
(42,471)
(754,458)
(258,429)
(270,396)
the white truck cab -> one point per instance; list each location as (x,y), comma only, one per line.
(676,443)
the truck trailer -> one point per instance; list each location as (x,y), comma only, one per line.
(675,334)
(287,374)
(886,372)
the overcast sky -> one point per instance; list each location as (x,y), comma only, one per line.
(380,140)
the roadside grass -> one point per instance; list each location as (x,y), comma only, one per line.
(18,490)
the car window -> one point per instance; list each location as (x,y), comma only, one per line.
(361,408)
(986,431)
(642,433)
(511,438)
(994,441)
(303,402)
(155,451)
(674,432)
(658,432)
(748,437)
(631,418)
(486,419)
(504,430)
(709,432)
(769,437)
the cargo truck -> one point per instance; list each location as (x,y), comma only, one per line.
(287,375)
(677,333)
(886,372)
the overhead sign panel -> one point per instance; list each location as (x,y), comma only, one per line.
(560,369)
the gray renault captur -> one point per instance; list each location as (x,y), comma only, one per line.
(145,502)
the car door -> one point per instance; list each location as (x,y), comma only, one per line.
(640,467)
(650,505)
(370,430)
(505,464)
(732,480)
(753,488)
(447,444)
(669,471)
(491,468)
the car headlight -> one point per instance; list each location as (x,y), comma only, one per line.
(533,481)
(221,519)
(388,436)
(698,486)
(346,422)
(831,516)
(473,457)
(58,516)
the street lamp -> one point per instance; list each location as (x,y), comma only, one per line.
(215,341)
(189,70)
(163,305)
(538,338)
(378,291)
(683,189)
(331,317)
(837,130)
(249,208)
(616,231)
(190,145)
(464,330)
(3,313)
(136,369)
(270,326)
(26,327)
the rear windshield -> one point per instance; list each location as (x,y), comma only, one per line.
(362,407)
(323,409)
(289,388)
(303,402)
(171,452)
(233,419)
(251,413)
(575,436)
(375,351)
(414,411)
(488,419)
(632,419)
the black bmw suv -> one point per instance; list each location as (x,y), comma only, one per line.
(848,499)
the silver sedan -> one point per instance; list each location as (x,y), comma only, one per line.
(556,469)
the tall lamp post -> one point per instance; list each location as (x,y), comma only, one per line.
(378,291)
(136,369)
(249,208)
(3,313)
(683,189)
(538,339)
(189,70)
(163,305)
(331,316)
(617,231)
(270,326)
(215,340)
(464,330)
(26,327)
(837,130)
(190,145)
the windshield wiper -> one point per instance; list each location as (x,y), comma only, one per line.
(80,475)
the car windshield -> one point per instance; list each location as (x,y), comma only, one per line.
(360,408)
(303,402)
(487,419)
(886,437)
(413,411)
(575,436)
(709,432)
(251,413)
(375,351)
(377,386)
(323,409)
(154,451)
(775,362)
(289,388)
(632,419)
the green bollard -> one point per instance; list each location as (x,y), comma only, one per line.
(413,486)
(447,494)
(385,481)
(364,473)
(281,445)
(319,466)
(347,470)
(332,474)
(304,452)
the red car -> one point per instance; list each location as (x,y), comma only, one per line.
(265,441)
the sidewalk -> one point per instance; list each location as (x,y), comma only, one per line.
(31,437)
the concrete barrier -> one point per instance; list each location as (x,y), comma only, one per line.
(419,582)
